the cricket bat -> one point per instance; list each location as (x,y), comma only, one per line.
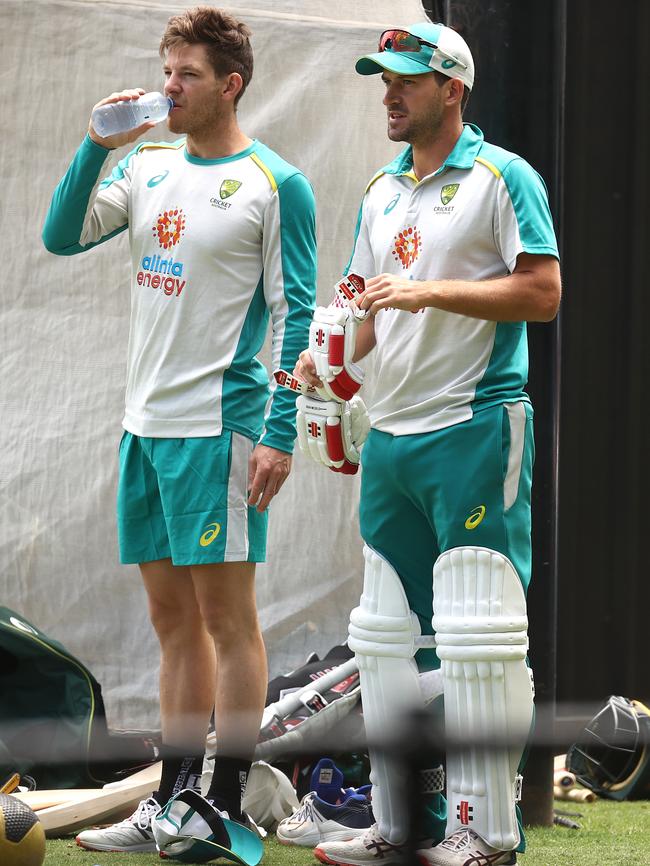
(578,795)
(67,810)
(564,779)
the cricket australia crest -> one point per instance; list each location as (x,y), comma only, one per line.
(448,192)
(228,187)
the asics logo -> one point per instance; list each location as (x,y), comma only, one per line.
(211,532)
(475,517)
(156,179)
(391,204)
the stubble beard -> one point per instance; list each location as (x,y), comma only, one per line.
(201,123)
(419,130)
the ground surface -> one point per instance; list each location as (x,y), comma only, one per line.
(611,834)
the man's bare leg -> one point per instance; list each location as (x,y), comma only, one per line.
(187,672)
(225,594)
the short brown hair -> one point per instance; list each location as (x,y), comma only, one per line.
(227,40)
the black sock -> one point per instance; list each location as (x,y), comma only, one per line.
(228,785)
(179,771)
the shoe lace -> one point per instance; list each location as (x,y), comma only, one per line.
(306,810)
(144,813)
(458,840)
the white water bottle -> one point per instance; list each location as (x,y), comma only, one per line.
(121,116)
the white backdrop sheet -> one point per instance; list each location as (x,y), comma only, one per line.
(64,324)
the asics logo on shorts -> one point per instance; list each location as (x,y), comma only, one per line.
(211,532)
(475,517)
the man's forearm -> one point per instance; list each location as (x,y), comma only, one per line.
(365,339)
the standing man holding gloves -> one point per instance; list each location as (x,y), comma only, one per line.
(456,244)
(222,237)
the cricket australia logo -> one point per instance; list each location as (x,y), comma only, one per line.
(407,246)
(169,228)
(228,188)
(448,192)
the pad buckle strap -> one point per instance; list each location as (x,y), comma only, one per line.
(519,785)
(432,781)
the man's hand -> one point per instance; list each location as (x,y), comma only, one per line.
(305,370)
(390,290)
(268,469)
(122,138)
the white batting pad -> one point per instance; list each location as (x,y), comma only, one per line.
(383,632)
(481,634)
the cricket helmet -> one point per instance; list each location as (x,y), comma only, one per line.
(612,755)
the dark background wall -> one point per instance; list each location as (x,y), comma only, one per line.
(566,84)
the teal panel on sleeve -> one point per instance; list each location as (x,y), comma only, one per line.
(65,216)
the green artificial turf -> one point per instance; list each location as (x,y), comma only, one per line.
(610,834)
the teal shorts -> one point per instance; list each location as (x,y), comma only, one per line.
(185,499)
(465,485)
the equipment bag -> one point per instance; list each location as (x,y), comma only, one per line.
(52,719)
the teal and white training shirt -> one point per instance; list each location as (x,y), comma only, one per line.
(467,221)
(217,245)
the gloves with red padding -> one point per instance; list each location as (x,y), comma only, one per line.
(331,432)
(332,340)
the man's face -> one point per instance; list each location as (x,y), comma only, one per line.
(415,107)
(191,82)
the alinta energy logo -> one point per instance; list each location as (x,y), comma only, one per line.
(160,272)
(169,227)
(408,244)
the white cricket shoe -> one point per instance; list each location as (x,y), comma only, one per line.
(371,848)
(134,834)
(465,848)
(316,820)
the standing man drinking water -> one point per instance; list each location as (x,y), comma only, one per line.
(222,238)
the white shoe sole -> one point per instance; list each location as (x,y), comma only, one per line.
(313,838)
(143,848)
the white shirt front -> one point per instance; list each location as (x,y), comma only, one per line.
(467,221)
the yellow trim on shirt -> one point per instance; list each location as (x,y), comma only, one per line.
(495,171)
(176,145)
(267,171)
(373,179)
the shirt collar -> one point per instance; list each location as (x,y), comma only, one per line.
(463,154)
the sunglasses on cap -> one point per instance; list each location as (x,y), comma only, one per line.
(401,41)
